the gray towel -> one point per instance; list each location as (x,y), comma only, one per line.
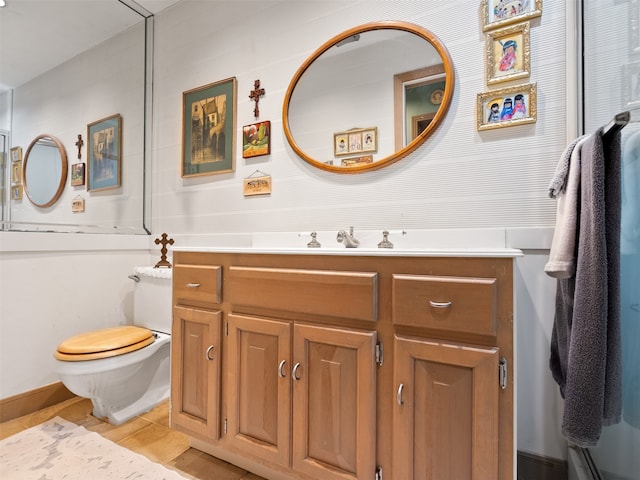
(585,344)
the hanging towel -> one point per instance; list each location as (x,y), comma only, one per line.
(562,257)
(558,182)
(585,356)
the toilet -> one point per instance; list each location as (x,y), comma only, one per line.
(124,370)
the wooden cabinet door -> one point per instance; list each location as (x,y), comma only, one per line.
(334,407)
(445,417)
(195,372)
(259,387)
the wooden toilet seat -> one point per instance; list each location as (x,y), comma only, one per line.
(104,343)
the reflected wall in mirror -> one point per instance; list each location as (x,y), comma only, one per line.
(44,170)
(395,77)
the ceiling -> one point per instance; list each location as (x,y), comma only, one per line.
(37,35)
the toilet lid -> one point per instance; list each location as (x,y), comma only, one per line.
(107,342)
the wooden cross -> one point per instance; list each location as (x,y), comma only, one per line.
(163,251)
(79,144)
(255,95)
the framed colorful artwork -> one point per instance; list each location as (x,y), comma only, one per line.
(208,128)
(77,174)
(507,107)
(16,192)
(508,56)
(104,153)
(256,139)
(16,172)
(16,154)
(500,13)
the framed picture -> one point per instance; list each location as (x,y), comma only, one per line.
(16,154)
(16,172)
(256,139)
(16,192)
(356,161)
(355,140)
(507,107)
(77,174)
(508,55)
(631,85)
(104,153)
(208,128)
(499,13)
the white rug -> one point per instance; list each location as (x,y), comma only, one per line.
(61,450)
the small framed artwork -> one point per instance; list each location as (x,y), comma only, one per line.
(499,13)
(419,123)
(16,172)
(77,174)
(208,128)
(104,153)
(631,85)
(16,192)
(356,161)
(77,204)
(16,154)
(257,185)
(507,107)
(355,140)
(508,56)
(256,139)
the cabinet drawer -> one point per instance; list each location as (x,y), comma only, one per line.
(332,293)
(197,283)
(457,304)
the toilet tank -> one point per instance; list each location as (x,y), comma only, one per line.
(152,299)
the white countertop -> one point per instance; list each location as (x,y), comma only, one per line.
(363,252)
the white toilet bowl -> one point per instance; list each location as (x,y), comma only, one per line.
(124,380)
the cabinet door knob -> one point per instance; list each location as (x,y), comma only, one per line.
(294,373)
(209,352)
(439,304)
(399,395)
(281,372)
(193,285)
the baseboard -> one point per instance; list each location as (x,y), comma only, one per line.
(32,401)
(537,467)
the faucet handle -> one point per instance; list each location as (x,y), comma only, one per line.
(385,243)
(314,243)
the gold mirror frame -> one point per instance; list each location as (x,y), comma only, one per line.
(415,143)
(63,173)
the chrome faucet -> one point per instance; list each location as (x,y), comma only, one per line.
(348,239)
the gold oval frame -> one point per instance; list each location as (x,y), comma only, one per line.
(63,174)
(415,143)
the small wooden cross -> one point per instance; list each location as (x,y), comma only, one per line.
(255,95)
(163,251)
(79,144)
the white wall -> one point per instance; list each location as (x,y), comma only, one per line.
(459,179)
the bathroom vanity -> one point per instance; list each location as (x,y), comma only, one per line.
(346,363)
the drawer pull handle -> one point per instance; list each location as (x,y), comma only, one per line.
(439,304)
(294,373)
(399,395)
(193,285)
(209,351)
(281,372)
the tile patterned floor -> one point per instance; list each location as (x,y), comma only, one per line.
(149,434)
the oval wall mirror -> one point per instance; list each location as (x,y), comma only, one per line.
(44,170)
(368,97)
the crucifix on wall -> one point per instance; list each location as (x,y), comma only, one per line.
(255,95)
(79,144)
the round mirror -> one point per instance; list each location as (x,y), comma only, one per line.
(44,170)
(368,97)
